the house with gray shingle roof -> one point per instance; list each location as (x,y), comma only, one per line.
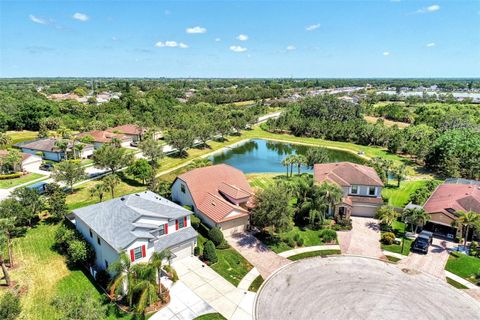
(138,224)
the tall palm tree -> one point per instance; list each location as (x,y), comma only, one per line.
(77,149)
(286,163)
(331,194)
(145,285)
(156,260)
(124,277)
(62,145)
(7,225)
(467,220)
(98,191)
(3,245)
(300,160)
(400,173)
(5,140)
(387,215)
(110,182)
(416,217)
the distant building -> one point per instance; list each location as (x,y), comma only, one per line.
(362,188)
(48,150)
(132,131)
(29,162)
(101,137)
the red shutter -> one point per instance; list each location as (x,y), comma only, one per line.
(144,253)
(132,255)
(185,222)
(166,228)
(176,224)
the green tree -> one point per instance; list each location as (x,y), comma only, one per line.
(300,160)
(79,306)
(141,169)
(69,172)
(7,227)
(204,131)
(124,278)
(387,215)
(62,145)
(112,158)
(5,140)
(160,187)
(4,247)
(331,194)
(98,190)
(111,182)
(152,150)
(400,173)
(56,201)
(316,155)
(467,220)
(145,286)
(10,306)
(273,209)
(416,217)
(157,260)
(180,139)
(216,235)
(209,253)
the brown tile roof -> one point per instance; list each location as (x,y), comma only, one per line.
(448,198)
(346,174)
(25,156)
(375,200)
(233,191)
(130,129)
(47,144)
(102,136)
(205,185)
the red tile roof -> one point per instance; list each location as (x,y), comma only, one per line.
(346,174)
(130,129)
(447,196)
(102,136)
(375,200)
(207,184)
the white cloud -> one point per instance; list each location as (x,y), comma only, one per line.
(196,29)
(312,27)
(170,44)
(432,8)
(38,19)
(80,16)
(238,49)
(386,53)
(291,48)
(218,39)
(431,44)
(242,37)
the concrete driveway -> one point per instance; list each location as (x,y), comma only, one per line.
(347,287)
(258,254)
(433,263)
(363,239)
(209,286)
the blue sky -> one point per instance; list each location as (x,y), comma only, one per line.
(382,38)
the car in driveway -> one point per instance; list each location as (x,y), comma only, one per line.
(422,242)
(46,166)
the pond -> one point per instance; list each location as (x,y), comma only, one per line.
(259,155)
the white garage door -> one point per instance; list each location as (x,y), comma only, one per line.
(182,251)
(364,211)
(234,226)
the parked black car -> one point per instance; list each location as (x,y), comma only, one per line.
(422,242)
(46,166)
(134,144)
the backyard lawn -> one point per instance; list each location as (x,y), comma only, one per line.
(399,197)
(261,180)
(318,253)
(463,266)
(399,230)
(9,183)
(20,136)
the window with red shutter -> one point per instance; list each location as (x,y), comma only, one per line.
(176,224)
(166,228)
(144,251)
(132,255)
(184,221)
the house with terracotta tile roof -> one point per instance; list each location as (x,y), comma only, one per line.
(361,187)
(28,162)
(445,202)
(132,131)
(220,195)
(100,137)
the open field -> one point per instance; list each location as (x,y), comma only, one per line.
(20,136)
(10,183)
(388,123)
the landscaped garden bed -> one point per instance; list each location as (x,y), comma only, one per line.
(318,253)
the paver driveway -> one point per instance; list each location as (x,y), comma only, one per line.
(363,239)
(433,262)
(258,254)
(221,295)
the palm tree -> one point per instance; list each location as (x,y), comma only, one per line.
(7,225)
(64,132)
(400,173)
(77,148)
(157,261)
(62,145)
(110,182)
(98,191)
(3,244)
(415,217)
(124,277)
(145,285)
(387,215)
(286,163)
(300,160)
(116,142)
(331,194)
(5,140)
(467,220)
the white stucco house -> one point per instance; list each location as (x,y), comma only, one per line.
(138,224)
(220,196)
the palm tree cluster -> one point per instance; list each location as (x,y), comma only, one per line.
(467,220)
(109,183)
(292,160)
(416,217)
(139,284)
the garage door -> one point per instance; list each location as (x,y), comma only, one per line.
(364,211)
(234,226)
(182,251)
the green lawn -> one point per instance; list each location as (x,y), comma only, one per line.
(456,284)
(463,266)
(318,253)
(9,183)
(255,285)
(278,243)
(399,197)
(397,248)
(393,259)
(261,180)
(211,316)
(20,136)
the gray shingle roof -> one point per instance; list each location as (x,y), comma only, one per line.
(115,221)
(178,237)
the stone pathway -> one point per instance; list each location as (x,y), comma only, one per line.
(363,239)
(296,251)
(221,295)
(258,254)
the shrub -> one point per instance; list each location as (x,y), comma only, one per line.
(223,245)
(216,235)
(290,242)
(296,237)
(10,176)
(10,306)
(172,274)
(195,221)
(328,235)
(209,253)
(388,237)
(197,251)
(300,242)
(72,244)
(474,249)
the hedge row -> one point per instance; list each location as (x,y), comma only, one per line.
(10,175)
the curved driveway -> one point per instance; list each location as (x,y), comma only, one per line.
(346,287)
